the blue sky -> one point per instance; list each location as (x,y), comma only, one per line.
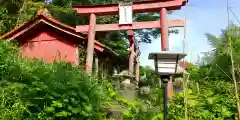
(203,16)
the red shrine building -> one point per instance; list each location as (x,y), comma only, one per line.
(44,37)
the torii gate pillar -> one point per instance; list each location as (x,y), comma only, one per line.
(90,43)
(132,52)
(164,29)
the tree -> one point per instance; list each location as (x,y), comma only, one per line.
(218,60)
(15,12)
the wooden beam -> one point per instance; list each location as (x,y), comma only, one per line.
(144,6)
(135,25)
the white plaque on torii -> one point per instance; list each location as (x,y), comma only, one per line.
(125,14)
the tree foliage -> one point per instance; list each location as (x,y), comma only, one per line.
(218,60)
(148,76)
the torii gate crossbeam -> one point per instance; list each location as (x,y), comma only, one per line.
(137,7)
(135,25)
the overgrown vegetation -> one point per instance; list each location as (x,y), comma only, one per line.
(210,93)
(37,90)
(215,96)
(32,89)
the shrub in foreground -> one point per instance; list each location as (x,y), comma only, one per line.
(37,90)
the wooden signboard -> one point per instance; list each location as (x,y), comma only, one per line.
(125,14)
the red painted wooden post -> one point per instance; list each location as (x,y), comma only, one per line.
(137,74)
(170,87)
(131,56)
(90,45)
(164,40)
(164,29)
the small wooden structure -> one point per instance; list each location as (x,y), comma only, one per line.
(46,38)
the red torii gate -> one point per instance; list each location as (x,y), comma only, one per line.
(161,6)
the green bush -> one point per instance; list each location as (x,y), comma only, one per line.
(213,100)
(37,90)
